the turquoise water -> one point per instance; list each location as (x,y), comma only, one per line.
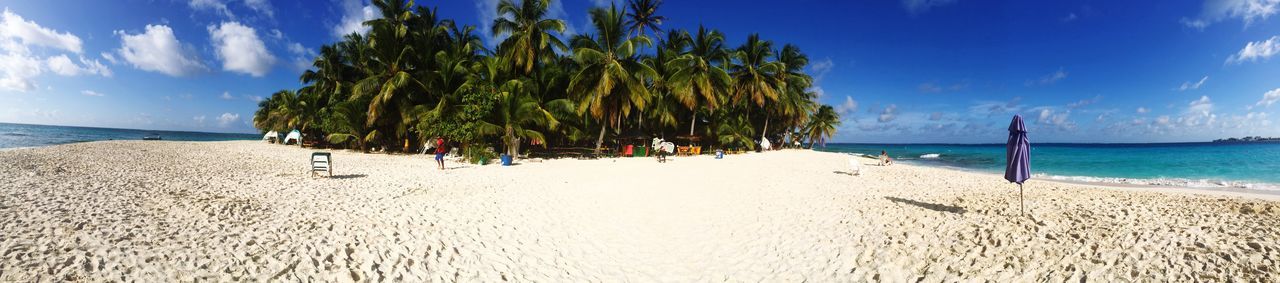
(1251,166)
(23,135)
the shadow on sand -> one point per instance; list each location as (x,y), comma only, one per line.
(349,176)
(843,173)
(929,206)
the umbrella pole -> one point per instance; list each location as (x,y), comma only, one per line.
(1021,204)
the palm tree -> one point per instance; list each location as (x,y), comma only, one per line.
(263,118)
(345,123)
(517,113)
(754,76)
(643,16)
(328,76)
(795,102)
(663,107)
(822,125)
(698,81)
(529,31)
(734,130)
(282,110)
(611,81)
(389,82)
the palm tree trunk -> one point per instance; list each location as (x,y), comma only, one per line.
(600,139)
(513,147)
(766,129)
(693,123)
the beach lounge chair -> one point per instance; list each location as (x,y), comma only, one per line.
(628,150)
(697,150)
(321,161)
(682,150)
(855,167)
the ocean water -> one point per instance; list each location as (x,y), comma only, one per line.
(1206,165)
(23,135)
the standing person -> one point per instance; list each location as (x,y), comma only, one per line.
(440,151)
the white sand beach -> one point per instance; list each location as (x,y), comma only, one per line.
(248,211)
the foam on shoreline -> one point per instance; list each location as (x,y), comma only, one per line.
(1208,185)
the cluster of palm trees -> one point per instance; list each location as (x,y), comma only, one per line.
(415,76)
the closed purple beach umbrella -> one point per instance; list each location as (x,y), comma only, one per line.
(1018,155)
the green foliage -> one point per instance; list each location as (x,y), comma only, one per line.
(479,155)
(463,122)
(416,76)
(822,125)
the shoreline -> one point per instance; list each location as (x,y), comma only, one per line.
(1271,195)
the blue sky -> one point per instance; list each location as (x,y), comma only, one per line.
(899,71)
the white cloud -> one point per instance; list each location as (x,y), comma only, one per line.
(221,7)
(261,6)
(1162,120)
(1271,97)
(302,56)
(1083,103)
(354,14)
(226,119)
(1070,17)
(820,69)
(1188,85)
(929,87)
(19,65)
(1245,10)
(13,26)
(158,50)
(91,93)
(240,49)
(934,87)
(1049,79)
(110,58)
(990,108)
(199,120)
(254,98)
(916,7)
(226,96)
(62,65)
(1257,50)
(889,113)
(848,107)
(1056,120)
(17,71)
(935,116)
(214,5)
(1143,110)
(1202,105)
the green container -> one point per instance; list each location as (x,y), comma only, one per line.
(640,151)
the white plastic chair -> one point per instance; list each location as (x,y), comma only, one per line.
(321,161)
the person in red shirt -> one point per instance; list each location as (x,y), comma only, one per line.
(440,151)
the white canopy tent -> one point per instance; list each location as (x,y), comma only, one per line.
(294,136)
(271,136)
